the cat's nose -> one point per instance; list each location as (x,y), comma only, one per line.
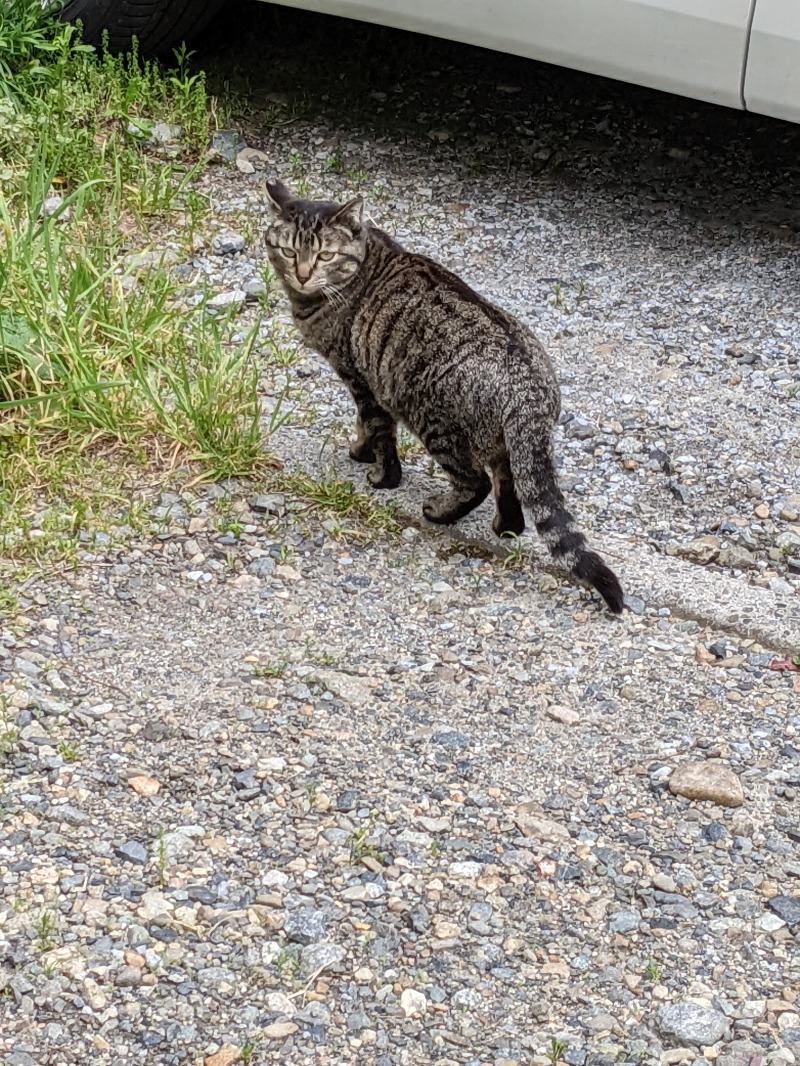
(303,276)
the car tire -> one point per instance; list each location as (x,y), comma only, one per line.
(156,24)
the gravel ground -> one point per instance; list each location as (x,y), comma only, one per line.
(273,791)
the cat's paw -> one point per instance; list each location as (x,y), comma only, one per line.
(443,510)
(386,476)
(361,451)
(507,525)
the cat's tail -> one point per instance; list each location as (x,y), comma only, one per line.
(533,469)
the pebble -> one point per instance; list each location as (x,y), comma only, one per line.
(280,1030)
(227,243)
(223,301)
(132,851)
(565,715)
(707,781)
(413,1002)
(305,926)
(689,1023)
(625,922)
(226,1056)
(787,908)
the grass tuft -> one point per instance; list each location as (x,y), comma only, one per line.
(110,371)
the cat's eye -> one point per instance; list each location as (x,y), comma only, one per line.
(326,256)
(290,253)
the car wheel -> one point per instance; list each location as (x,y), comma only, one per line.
(156,24)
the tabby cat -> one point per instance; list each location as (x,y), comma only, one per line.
(414,344)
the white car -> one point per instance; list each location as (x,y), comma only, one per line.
(741,53)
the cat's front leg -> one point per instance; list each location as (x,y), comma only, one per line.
(376,440)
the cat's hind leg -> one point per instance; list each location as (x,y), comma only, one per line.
(470,483)
(510,518)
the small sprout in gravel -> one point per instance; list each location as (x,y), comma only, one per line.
(555,1052)
(9,603)
(557,298)
(271,670)
(161,858)
(280,356)
(226,524)
(9,733)
(360,848)
(436,850)
(288,965)
(68,752)
(406,444)
(248,1052)
(45,928)
(652,970)
(516,553)
(322,658)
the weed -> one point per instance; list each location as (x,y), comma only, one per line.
(161,858)
(360,847)
(515,556)
(435,849)
(324,658)
(652,970)
(297,172)
(406,444)
(279,356)
(68,752)
(288,965)
(555,1052)
(340,499)
(248,1051)
(227,524)
(103,367)
(45,927)
(9,732)
(9,602)
(272,670)
(557,298)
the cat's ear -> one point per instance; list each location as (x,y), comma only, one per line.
(350,214)
(278,195)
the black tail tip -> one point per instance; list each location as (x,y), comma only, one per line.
(591,568)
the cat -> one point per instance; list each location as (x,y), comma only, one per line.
(414,344)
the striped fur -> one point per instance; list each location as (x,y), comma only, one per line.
(414,344)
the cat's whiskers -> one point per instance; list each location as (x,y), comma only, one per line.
(333,294)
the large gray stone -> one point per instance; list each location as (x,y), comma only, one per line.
(305,926)
(688,1023)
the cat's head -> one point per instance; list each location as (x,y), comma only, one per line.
(314,246)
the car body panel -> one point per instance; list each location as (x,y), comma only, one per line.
(772,82)
(692,47)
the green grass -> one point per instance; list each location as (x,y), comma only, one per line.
(9,733)
(353,513)
(109,375)
(555,1051)
(270,670)
(45,928)
(68,752)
